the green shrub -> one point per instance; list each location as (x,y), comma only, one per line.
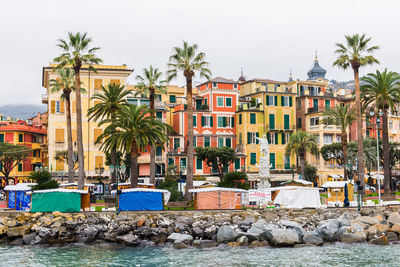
(43,180)
(235,180)
(171,185)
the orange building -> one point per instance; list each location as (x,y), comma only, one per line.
(34,139)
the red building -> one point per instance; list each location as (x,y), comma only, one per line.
(213,124)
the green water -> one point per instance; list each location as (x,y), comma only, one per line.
(332,255)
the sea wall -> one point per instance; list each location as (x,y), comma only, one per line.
(180,229)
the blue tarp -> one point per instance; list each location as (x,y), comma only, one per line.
(19,200)
(140,200)
(11,199)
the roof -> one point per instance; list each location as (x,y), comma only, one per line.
(316,71)
(22,128)
(335,184)
(263,80)
(138,189)
(292,188)
(299,182)
(74,184)
(219,79)
(129,183)
(61,190)
(20,187)
(214,189)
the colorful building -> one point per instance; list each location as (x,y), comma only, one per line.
(34,139)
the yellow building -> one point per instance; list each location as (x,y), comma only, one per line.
(57,135)
(266,107)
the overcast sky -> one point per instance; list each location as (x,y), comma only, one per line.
(266,38)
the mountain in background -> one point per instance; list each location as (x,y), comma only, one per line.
(22,112)
(335,85)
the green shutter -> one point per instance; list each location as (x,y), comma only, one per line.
(267,100)
(228,142)
(202,121)
(159,114)
(272,160)
(20,138)
(253,158)
(237,164)
(232,122)
(240,118)
(194,141)
(276,139)
(253,118)
(20,167)
(248,138)
(287,162)
(220,142)
(171,161)
(286,122)
(282,100)
(327,103)
(1,138)
(228,101)
(223,121)
(276,100)
(194,120)
(199,164)
(172,99)
(271,121)
(212,121)
(268,138)
(290,101)
(283,139)
(257,135)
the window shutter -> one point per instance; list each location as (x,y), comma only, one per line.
(283,139)
(267,100)
(282,101)
(232,122)
(248,138)
(59,136)
(53,107)
(194,120)
(96,134)
(268,138)
(290,101)
(211,121)
(257,135)
(97,84)
(240,118)
(276,100)
(73,107)
(223,121)
(202,121)
(276,138)
(62,106)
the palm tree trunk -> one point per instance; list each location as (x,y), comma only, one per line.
(152,148)
(69,139)
(81,160)
(386,153)
(302,157)
(360,151)
(344,145)
(189,141)
(134,166)
(113,157)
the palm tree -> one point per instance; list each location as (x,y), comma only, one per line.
(75,53)
(300,143)
(151,84)
(352,53)
(187,60)
(343,117)
(132,130)
(66,84)
(111,99)
(381,90)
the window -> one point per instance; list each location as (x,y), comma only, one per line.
(220,101)
(115,81)
(20,138)
(287,138)
(158,151)
(97,84)
(328,139)
(225,122)
(237,164)
(58,107)
(338,138)
(183,163)
(240,138)
(1,138)
(98,162)
(228,101)
(240,119)
(272,121)
(159,115)
(272,160)
(171,161)
(270,99)
(285,101)
(251,138)
(20,167)
(206,141)
(177,143)
(59,136)
(390,124)
(327,104)
(172,99)
(286,119)
(158,97)
(272,139)
(195,120)
(96,134)
(287,162)
(206,121)
(314,121)
(214,84)
(220,142)
(194,141)
(253,118)
(235,86)
(199,164)
(317,138)
(253,158)
(228,142)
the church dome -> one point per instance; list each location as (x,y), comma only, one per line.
(316,72)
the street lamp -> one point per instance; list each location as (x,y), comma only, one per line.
(117,170)
(378,120)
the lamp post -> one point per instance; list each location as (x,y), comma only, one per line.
(117,170)
(378,120)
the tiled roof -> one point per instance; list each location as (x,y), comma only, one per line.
(219,79)
(263,80)
(22,128)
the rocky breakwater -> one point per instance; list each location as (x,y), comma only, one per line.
(205,229)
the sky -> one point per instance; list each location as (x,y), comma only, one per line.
(265,38)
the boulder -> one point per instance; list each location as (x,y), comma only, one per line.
(282,237)
(312,238)
(243,240)
(140,222)
(29,238)
(252,236)
(394,218)
(197,231)
(258,243)
(17,242)
(381,228)
(328,230)
(180,238)
(367,220)
(226,234)
(392,237)
(342,230)
(382,240)
(179,245)
(204,243)
(371,232)
(357,227)
(353,237)
(17,231)
(395,228)
(209,232)
(3,229)
(234,244)
(129,239)
(345,219)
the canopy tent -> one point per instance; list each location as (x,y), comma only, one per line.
(18,196)
(298,183)
(297,197)
(196,184)
(143,199)
(63,200)
(218,198)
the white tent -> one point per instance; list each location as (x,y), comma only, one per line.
(298,197)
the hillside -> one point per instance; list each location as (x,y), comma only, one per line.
(22,111)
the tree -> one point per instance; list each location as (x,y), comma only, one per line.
(381,90)
(369,155)
(63,155)
(216,158)
(310,173)
(10,156)
(43,179)
(352,53)
(111,99)
(334,152)
(66,84)
(75,53)
(151,84)
(343,117)
(187,60)
(132,130)
(235,180)
(300,143)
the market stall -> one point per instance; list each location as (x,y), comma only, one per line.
(297,197)
(63,200)
(143,199)
(18,196)
(218,198)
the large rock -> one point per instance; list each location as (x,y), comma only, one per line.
(243,240)
(129,239)
(17,242)
(328,230)
(394,218)
(29,238)
(345,219)
(395,228)
(226,234)
(282,237)
(295,226)
(312,238)
(357,227)
(392,236)
(179,245)
(382,240)
(382,228)
(180,238)
(204,243)
(17,231)
(209,232)
(353,237)
(367,220)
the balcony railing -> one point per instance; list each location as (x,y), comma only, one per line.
(281,127)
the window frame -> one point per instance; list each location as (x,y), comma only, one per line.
(218,99)
(226,102)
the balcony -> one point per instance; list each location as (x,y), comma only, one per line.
(246,106)
(160,159)
(281,127)
(45,98)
